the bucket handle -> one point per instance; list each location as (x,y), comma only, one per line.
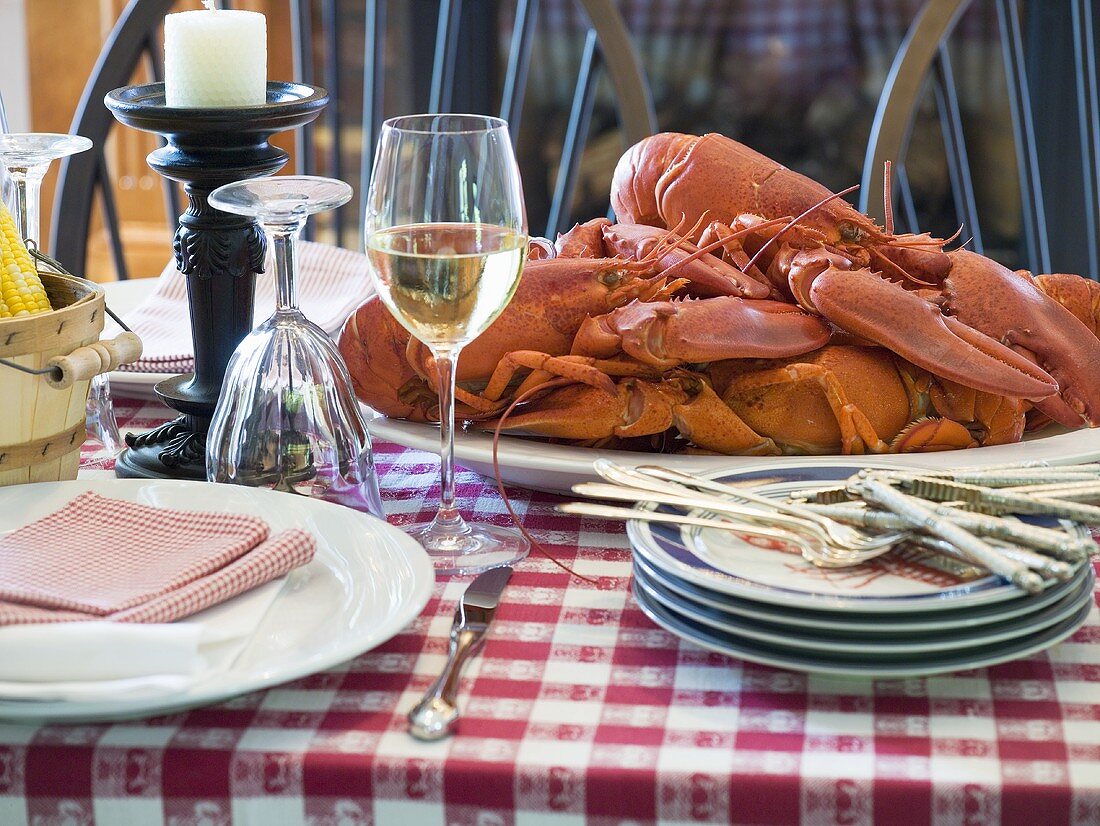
(87,362)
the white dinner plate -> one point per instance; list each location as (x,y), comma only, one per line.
(555,468)
(367,581)
(958,621)
(721,561)
(871,646)
(857,666)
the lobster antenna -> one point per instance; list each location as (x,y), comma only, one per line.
(546,385)
(955,236)
(798,218)
(887,196)
(721,242)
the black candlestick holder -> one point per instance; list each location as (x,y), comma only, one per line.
(218,252)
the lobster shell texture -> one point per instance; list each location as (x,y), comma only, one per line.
(740,307)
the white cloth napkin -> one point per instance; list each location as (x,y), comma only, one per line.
(331,283)
(89,661)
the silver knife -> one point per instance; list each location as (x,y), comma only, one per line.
(436,715)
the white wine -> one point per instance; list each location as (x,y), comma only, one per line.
(446,283)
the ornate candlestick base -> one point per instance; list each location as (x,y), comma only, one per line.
(220,253)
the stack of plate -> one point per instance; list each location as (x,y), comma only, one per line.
(904,614)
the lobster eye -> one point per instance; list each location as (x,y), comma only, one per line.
(849,231)
(611,278)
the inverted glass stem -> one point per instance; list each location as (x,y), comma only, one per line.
(447,520)
(28,200)
(283,239)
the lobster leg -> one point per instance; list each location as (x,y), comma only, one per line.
(864,304)
(590,371)
(1001,417)
(711,424)
(932,435)
(857,434)
(578,411)
(639,408)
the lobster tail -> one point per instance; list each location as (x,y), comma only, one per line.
(373,344)
(641,175)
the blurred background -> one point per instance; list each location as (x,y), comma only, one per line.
(796,80)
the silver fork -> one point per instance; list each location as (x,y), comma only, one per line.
(845,536)
(693,500)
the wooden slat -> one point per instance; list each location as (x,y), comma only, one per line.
(519,60)
(901,93)
(301,27)
(624,67)
(446,50)
(330,25)
(374,68)
(1088,115)
(954,141)
(905,198)
(576,133)
(1036,248)
(110,215)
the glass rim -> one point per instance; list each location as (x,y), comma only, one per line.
(489,123)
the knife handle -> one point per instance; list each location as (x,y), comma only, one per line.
(436,715)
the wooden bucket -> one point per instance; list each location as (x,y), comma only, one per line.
(42,427)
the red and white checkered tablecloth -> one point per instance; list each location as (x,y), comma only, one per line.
(579,707)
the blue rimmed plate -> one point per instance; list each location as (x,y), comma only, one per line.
(869,624)
(856,642)
(723,563)
(857,665)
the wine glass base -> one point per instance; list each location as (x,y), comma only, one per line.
(478,548)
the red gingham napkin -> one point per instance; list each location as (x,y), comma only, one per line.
(331,283)
(100,558)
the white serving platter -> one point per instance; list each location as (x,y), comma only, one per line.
(531,463)
(367,581)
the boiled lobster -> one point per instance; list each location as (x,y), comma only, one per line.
(743,308)
(556,297)
(671,178)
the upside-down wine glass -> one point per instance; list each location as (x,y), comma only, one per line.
(446,236)
(287,418)
(27,157)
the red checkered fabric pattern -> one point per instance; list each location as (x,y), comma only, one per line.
(102,558)
(331,283)
(579,708)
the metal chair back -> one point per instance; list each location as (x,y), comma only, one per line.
(1061,231)
(135,37)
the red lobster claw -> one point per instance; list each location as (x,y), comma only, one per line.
(864,304)
(1010,307)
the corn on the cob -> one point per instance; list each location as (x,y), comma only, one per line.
(21,290)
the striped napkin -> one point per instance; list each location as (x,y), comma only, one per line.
(331,283)
(107,559)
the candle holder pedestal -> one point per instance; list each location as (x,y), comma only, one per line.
(219,253)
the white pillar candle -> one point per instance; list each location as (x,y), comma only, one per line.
(215,57)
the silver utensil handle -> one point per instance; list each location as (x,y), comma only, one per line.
(436,715)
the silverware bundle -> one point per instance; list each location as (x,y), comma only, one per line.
(967,514)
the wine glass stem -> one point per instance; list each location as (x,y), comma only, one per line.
(448,518)
(284,239)
(28,199)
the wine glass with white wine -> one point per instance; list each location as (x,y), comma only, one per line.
(446,235)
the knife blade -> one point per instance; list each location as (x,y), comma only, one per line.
(436,715)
